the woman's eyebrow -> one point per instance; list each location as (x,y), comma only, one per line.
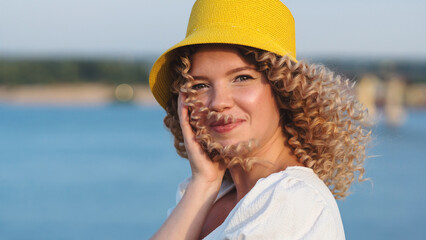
(232,71)
(200,78)
(239,69)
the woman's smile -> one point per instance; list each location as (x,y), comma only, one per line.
(223,127)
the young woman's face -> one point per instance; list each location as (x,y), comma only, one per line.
(226,83)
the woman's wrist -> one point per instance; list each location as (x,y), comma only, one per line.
(205,185)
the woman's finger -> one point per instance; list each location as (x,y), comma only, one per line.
(184,116)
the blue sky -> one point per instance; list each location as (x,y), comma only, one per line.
(376,28)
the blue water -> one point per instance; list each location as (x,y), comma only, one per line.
(110,172)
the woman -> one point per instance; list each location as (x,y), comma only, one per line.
(264,134)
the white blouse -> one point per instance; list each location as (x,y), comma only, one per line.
(291,204)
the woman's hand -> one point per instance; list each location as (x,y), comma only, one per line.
(203,168)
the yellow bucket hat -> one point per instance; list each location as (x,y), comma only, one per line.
(262,24)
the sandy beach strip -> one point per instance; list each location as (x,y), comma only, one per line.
(71,94)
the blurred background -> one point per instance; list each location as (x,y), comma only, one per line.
(83,150)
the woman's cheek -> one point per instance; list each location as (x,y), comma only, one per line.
(203,96)
(249,96)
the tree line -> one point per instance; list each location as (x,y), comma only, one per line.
(16,72)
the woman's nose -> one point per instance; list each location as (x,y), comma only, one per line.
(221,99)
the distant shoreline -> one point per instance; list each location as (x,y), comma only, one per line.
(71,94)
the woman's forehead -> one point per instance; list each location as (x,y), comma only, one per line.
(219,55)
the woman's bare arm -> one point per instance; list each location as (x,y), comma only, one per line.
(187,219)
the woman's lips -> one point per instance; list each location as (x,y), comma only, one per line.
(221,127)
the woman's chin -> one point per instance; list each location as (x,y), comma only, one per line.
(229,142)
(225,143)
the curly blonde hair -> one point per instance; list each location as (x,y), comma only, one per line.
(324,124)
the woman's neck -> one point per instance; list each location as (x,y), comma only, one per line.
(274,156)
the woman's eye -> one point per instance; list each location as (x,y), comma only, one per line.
(199,86)
(243,78)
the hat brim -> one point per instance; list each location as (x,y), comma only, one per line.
(160,78)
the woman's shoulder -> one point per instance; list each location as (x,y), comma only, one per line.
(294,203)
(296,190)
(293,182)
(298,184)
(297,180)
